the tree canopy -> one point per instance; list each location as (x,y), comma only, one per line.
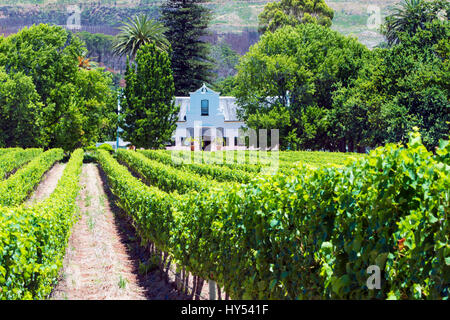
(19,107)
(407,87)
(411,15)
(138,31)
(293,12)
(292,73)
(328,91)
(63,103)
(187,23)
(149,113)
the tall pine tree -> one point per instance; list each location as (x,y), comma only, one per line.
(149,113)
(187,22)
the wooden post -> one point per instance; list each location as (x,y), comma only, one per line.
(212,290)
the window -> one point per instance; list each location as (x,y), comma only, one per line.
(205,107)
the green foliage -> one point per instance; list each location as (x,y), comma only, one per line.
(99,49)
(293,12)
(411,16)
(16,159)
(226,86)
(187,22)
(163,176)
(149,207)
(33,239)
(105,146)
(60,103)
(400,88)
(15,189)
(288,78)
(4,151)
(96,108)
(19,110)
(99,45)
(186,159)
(139,31)
(395,216)
(215,172)
(225,59)
(325,91)
(309,234)
(149,111)
(317,158)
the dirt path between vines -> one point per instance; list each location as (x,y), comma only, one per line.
(48,184)
(102,258)
(96,265)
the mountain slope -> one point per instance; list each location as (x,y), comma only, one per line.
(230,16)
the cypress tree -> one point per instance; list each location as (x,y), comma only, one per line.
(149,113)
(187,22)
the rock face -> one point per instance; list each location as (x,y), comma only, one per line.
(234,22)
(230,16)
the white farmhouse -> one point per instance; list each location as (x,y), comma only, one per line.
(204,118)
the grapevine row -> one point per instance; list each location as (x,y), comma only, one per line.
(311,234)
(216,172)
(15,159)
(4,151)
(163,176)
(15,189)
(33,239)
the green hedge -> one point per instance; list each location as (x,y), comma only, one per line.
(310,234)
(15,189)
(33,239)
(15,159)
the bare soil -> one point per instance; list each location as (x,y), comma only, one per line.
(103,254)
(48,184)
(165,280)
(96,265)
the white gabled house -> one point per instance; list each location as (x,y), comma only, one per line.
(206,117)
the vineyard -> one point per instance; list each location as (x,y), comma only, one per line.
(297,225)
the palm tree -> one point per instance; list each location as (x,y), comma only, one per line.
(138,31)
(84,63)
(408,17)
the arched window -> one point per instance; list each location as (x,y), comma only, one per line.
(205,107)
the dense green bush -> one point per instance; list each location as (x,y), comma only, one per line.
(16,188)
(91,148)
(33,239)
(310,234)
(50,94)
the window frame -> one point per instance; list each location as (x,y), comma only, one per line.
(201,108)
